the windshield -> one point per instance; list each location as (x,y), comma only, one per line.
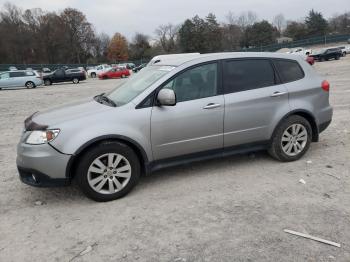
(138,83)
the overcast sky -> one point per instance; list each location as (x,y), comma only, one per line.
(130,16)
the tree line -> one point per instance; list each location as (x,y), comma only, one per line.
(36,36)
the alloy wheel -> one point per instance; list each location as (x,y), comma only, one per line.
(294,139)
(109,173)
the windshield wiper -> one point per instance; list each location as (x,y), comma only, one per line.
(102,99)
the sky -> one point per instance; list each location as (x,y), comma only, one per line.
(130,16)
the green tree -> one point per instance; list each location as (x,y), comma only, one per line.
(260,33)
(316,24)
(296,30)
(139,47)
(212,34)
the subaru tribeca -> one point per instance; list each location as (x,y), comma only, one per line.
(179,109)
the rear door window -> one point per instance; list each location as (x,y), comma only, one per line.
(16,74)
(243,75)
(289,70)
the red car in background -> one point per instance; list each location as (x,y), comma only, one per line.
(310,60)
(115,73)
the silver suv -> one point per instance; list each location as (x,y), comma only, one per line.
(179,109)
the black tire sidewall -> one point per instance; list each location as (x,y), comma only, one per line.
(30,82)
(47,82)
(101,149)
(75,82)
(276,149)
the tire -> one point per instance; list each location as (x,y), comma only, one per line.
(30,85)
(337,57)
(321,59)
(47,82)
(280,142)
(93,75)
(75,81)
(105,175)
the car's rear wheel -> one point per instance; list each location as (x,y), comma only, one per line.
(108,171)
(30,84)
(291,139)
(47,82)
(93,75)
(75,80)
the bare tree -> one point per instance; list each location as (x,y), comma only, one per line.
(246,19)
(280,23)
(166,35)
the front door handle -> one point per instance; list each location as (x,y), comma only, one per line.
(278,93)
(211,106)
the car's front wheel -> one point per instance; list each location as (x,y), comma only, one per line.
(291,139)
(108,171)
(75,80)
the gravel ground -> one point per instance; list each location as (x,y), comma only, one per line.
(232,209)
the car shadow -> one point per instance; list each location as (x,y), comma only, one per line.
(72,193)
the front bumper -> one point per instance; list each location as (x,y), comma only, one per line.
(41,165)
(36,178)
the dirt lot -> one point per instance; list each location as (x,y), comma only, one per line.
(232,209)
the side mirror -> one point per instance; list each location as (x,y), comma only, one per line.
(166,97)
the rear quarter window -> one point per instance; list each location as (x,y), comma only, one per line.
(289,70)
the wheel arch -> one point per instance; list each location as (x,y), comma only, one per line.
(140,152)
(308,116)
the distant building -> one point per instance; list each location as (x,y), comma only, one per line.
(284,39)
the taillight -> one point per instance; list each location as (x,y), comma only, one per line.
(325,85)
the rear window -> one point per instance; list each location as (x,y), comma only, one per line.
(242,75)
(30,73)
(289,70)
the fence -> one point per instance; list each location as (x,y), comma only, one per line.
(323,40)
(5,67)
(319,40)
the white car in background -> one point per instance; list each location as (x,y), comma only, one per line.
(94,72)
(301,50)
(345,50)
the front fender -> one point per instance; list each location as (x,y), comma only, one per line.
(128,123)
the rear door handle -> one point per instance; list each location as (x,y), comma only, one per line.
(278,93)
(211,106)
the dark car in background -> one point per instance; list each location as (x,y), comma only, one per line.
(327,54)
(138,68)
(64,75)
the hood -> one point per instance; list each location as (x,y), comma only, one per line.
(69,112)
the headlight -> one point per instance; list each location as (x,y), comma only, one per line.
(42,137)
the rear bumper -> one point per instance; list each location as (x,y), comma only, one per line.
(322,127)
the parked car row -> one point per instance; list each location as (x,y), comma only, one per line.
(33,78)
(320,55)
(96,71)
